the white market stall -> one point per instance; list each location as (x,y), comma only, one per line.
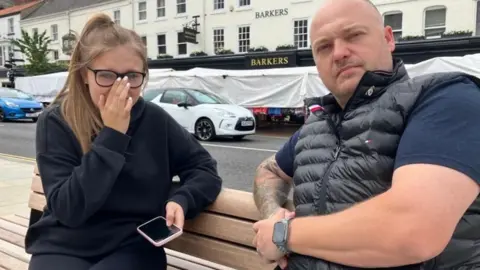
(273,88)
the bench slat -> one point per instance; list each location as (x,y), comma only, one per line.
(13,238)
(24,215)
(219,252)
(37,184)
(8,262)
(221,227)
(196,260)
(37,201)
(179,263)
(15,228)
(16,220)
(14,251)
(228,203)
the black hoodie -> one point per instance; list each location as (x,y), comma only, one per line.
(95,201)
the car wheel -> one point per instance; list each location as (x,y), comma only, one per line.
(35,119)
(238,137)
(204,129)
(2,116)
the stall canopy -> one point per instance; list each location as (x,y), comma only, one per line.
(279,88)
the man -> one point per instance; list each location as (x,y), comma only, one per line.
(386,169)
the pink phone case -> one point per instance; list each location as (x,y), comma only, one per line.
(164,241)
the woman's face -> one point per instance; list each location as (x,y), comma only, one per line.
(106,68)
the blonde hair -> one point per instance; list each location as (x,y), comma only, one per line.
(99,35)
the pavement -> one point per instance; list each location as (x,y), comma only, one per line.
(15,181)
(237,161)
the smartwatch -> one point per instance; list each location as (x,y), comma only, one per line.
(280,235)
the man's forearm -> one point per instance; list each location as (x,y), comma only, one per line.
(270,191)
(369,234)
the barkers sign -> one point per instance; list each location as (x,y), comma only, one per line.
(271,13)
(277,61)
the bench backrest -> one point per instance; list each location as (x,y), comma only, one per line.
(223,234)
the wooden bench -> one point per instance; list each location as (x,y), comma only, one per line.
(219,238)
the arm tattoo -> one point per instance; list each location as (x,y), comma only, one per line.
(271,187)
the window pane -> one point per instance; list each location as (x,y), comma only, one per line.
(161,39)
(397,35)
(394,21)
(182,48)
(435,17)
(180,37)
(434,32)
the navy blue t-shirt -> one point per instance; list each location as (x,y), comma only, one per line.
(443,129)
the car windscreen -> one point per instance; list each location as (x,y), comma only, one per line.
(207,98)
(150,94)
(13,93)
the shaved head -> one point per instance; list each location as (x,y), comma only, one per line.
(365,6)
(348,38)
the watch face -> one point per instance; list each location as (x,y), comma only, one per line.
(278,233)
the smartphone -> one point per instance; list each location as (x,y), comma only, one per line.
(157,232)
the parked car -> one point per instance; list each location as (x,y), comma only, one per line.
(16,104)
(204,114)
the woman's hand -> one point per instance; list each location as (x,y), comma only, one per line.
(175,214)
(115,108)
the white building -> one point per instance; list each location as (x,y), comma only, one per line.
(10,29)
(61,17)
(237,25)
(429,18)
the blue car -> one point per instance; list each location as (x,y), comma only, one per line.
(16,104)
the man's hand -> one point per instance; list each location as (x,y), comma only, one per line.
(175,215)
(263,239)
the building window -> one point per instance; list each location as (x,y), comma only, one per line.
(218,4)
(244,3)
(1,57)
(144,40)
(394,20)
(243,38)
(162,44)
(435,21)
(54,29)
(181,6)
(116,17)
(182,44)
(142,11)
(55,55)
(11,29)
(160,8)
(218,39)
(300,33)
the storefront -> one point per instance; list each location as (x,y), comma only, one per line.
(410,51)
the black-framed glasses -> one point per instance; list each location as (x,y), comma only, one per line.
(106,78)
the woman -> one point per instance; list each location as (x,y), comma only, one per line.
(107,158)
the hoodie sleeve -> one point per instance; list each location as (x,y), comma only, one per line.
(196,168)
(76,185)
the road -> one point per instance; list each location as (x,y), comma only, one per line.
(237,161)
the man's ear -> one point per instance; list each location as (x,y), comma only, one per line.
(389,37)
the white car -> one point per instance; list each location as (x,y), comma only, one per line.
(204,114)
